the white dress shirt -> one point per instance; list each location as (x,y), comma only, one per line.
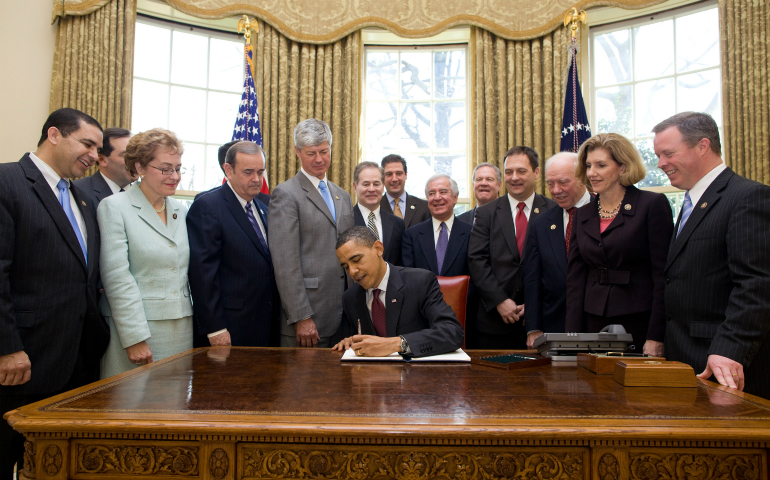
(437,228)
(377,218)
(583,201)
(401,202)
(701,185)
(382,286)
(515,208)
(315,181)
(53,178)
(113,186)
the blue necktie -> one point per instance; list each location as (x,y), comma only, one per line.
(441,245)
(64,200)
(327,198)
(686,211)
(253,221)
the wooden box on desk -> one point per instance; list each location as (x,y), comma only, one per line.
(604,365)
(654,374)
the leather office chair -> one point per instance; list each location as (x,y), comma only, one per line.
(455,290)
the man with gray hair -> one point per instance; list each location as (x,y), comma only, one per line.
(544,271)
(307,212)
(231,271)
(369,183)
(487,180)
(718,267)
(439,244)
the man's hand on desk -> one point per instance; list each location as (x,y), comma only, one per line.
(140,353)
(653,348)
(531,337)
(509,311)
(370,345)
(727,372)
(307,334)
(221,340)
(15,369)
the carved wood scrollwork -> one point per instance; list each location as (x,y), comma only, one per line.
(360,464)
(219,464)
(137,460)
(647,466)
(29,459)
(51,460)
(609,468)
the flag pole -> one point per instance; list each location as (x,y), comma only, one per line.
(575,127)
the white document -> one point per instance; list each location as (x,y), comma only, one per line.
(457,356)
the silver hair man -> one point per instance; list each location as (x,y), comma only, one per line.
(494,167)
(311,133)
(452,183)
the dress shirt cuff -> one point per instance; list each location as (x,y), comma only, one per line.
(219,332)
(533,331)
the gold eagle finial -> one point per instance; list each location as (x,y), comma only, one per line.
(573,19)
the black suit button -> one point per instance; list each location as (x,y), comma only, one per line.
(600,244)
(756,344)
(82,317)
(668,280)
(342,276)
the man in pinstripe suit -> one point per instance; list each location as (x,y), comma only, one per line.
(51,333)
(718,267)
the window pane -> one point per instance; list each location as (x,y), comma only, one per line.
(449,72)
(415,75)
(654,50)
(214,175)
(187,115)
(415,126)
(455,167)
(193,168)
(449,125)
(381,120)
(612,61)
(420,170)
(381,76)
(226,65)
(700,92)
(189,59)
(152,49)
(220,120)
(697,41)
(655,176)
(654,103)
(150,106)
(613,110)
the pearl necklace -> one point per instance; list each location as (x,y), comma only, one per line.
(607,214)
(161,208)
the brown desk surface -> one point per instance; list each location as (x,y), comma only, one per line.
(271,398)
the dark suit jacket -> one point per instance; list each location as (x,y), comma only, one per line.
(415,211)
(468,216)
(717,279)
(633,249)
(392,231)
(231,273)
(495,264)
(414,308)
(94,187)
(48,296)
(545,273)
(262,197)
(419,249)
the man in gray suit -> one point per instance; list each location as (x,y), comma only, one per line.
(112,176)
(718,267)
(306,214)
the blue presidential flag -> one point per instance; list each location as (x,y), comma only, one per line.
(574,126)
(247,122)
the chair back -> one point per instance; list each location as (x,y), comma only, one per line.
(455,290)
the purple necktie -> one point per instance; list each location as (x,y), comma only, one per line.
(253,221)
(378,313)
(443,239)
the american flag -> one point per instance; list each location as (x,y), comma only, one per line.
(574,126)
(247,122)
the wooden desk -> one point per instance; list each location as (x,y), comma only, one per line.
(292,413)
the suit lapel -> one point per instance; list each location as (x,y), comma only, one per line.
(100,186)
(556,237)
(262,212)
(387,229)
(91,227)
(51,203)
(538,207)
(334,191)
(148,213)
(428,245)
(393,301)
(408,211)
(239,214)
(710,197)
(590,223)
(456,240)
(362,313)
(505,217)
(358,217)
(315,196)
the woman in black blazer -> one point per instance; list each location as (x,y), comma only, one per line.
(618,246)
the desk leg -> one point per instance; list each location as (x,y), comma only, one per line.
(51,459)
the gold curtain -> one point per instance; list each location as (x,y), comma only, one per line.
(296,81)
(518,95)
(745,38)
(93,64)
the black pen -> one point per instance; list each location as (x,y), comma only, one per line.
(621,354)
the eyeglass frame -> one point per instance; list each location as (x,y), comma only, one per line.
(162,170)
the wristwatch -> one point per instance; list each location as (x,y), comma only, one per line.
(404,345)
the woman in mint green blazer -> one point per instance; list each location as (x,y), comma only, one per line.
(145,256)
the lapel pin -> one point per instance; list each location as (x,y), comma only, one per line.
(627,207)
(537,210)
(174,216)
(553,227)
(336,197)
(393,301)
(412,207)
(83,203)
(703,205)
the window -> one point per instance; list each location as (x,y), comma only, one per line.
(188,80)
(416,105)
(646,70)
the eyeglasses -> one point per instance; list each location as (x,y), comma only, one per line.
(166,171)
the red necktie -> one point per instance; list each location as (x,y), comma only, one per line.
(378,313)
(521,228)
(571,213)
